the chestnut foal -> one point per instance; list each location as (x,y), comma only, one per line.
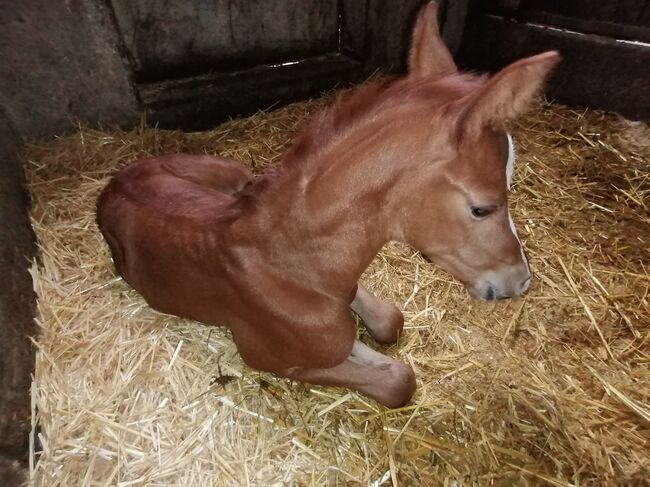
(276,258)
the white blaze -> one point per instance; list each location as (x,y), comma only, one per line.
(510,169)
(510,165)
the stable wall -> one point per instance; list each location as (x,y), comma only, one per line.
(108,63)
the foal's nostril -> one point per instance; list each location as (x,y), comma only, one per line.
(489,294)
(525,284)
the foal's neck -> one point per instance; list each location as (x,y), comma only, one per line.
(337,208)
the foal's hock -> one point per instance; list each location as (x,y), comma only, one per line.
(422,160)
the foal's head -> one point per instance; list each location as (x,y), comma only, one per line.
(459,217)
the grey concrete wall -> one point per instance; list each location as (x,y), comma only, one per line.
(60,62)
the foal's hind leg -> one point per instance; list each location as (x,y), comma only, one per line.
(383,320)
(387,381)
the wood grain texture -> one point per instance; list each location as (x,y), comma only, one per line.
(202,102)
(617,11)
(389,27)
(621,19)
(17,303)
(452,21)
(176,38)
(596,71)
(378,33)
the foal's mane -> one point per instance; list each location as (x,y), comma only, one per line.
(373,100)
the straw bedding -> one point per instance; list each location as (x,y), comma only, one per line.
(550,388)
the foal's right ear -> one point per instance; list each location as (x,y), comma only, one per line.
(428,55)
(506,95)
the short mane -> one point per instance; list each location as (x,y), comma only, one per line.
(373,99)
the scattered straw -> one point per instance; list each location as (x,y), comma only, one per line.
(550,388)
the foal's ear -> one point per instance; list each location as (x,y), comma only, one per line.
(506,95)
(428,55)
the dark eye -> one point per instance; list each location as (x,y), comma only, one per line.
(481,211)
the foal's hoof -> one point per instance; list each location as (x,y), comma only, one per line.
(398,390)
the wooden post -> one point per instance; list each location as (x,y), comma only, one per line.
(17,307)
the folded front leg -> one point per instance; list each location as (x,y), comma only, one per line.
(387,381)
(383,320)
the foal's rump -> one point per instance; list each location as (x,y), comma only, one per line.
(160,216)
(176,185)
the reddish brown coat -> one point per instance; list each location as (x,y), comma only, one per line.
(276,258)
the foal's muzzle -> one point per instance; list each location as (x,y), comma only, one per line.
(509,284)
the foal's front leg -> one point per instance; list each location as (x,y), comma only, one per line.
(387,381)
(383,320)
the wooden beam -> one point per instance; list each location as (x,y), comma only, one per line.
(202,102)
(596,71)
(17,307)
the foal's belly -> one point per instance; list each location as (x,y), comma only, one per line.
(175,280)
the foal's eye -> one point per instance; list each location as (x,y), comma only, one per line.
(481,211)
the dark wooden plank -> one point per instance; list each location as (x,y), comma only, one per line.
(584,9)
(588,26)
(623,12)
(597,72)
(378,33)
(60,63)
(452,20)
(388,34)
(629,12)
(177,38)
(620,20)
(644,14)
(202,102)
(353,17)
(17,304)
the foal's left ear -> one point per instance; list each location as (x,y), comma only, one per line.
(429,55)
(506,95)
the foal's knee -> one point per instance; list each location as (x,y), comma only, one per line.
(398,388)
(388,324)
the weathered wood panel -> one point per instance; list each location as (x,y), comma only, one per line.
(596,71)
(373,36)
(622,19)
(176,38)
(388,30)
(202,102)
(628,12)
(452,14)
(378,32)
(59,63)
(17,307)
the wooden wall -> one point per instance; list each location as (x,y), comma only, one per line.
(605,61)
(193,63)
(175,39)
